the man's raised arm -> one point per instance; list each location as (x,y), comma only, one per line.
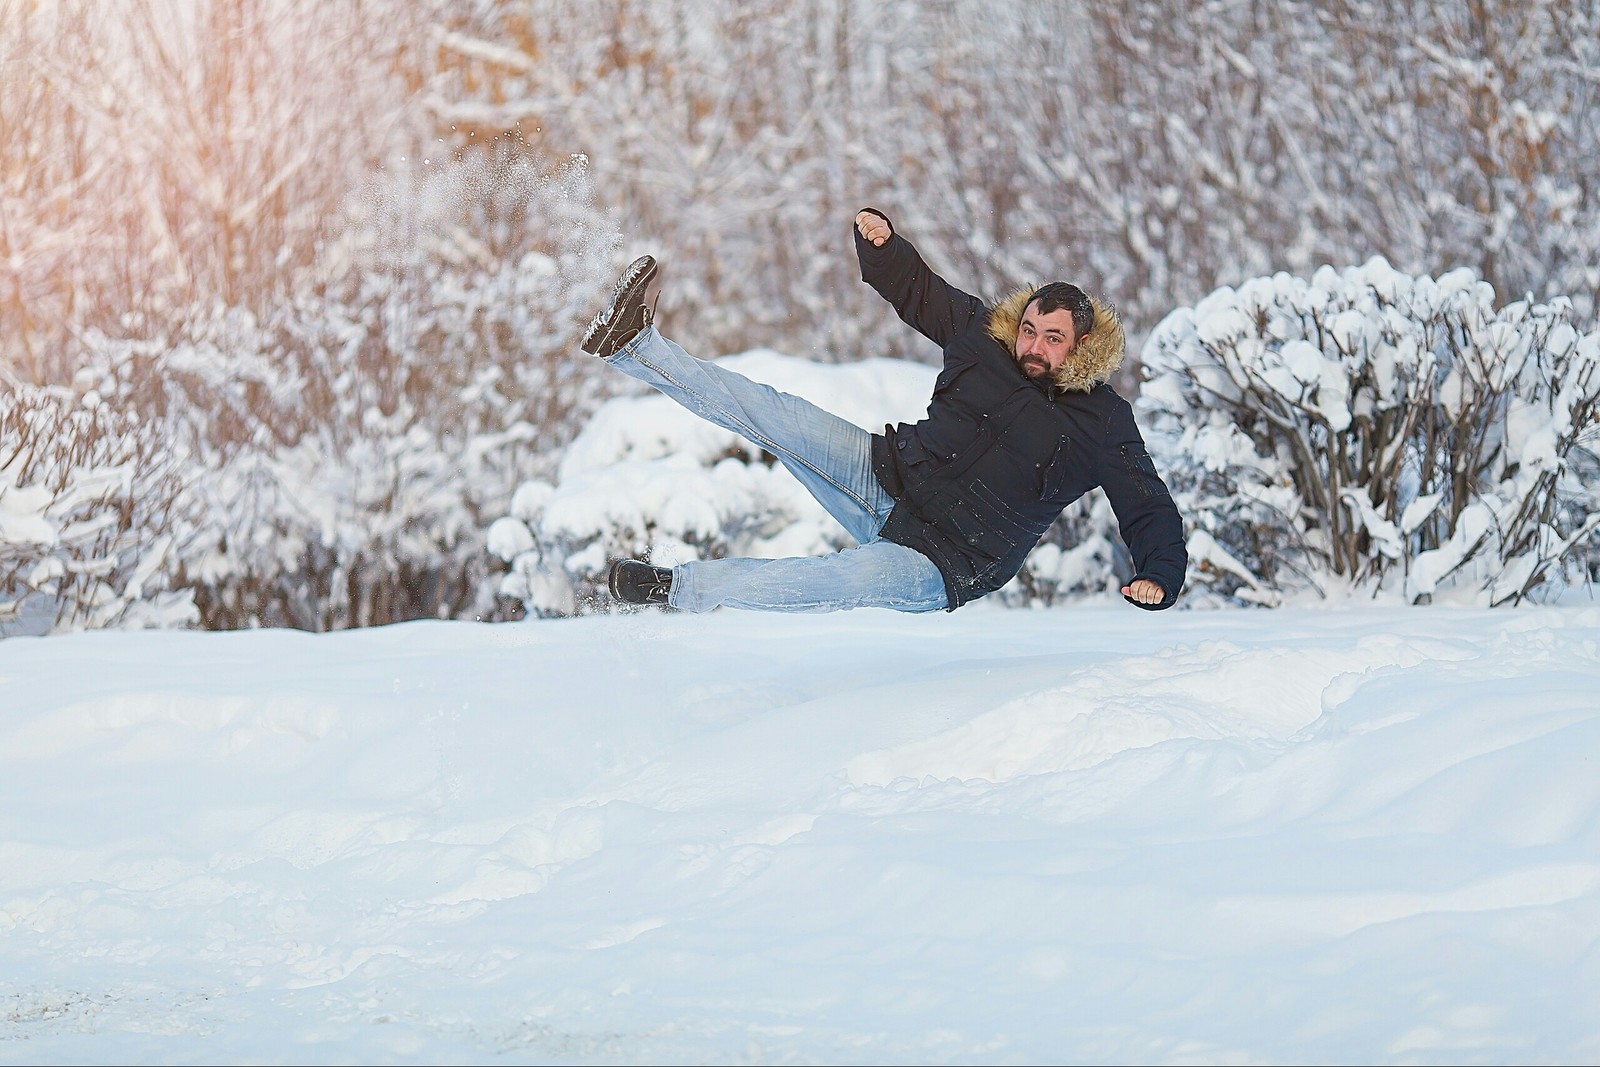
(891,265)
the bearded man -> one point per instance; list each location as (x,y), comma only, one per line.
(1022,422)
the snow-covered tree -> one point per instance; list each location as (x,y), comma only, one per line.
(167,154)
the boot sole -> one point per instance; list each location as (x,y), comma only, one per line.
(633,285)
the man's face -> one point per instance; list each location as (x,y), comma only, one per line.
(1044,341)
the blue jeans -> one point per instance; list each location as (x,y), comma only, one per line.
(833,460)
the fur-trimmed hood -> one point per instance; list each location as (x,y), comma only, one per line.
(1093,360)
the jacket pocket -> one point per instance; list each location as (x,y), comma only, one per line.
(911,450)
(1055,473)
(1142,471)
(987,527)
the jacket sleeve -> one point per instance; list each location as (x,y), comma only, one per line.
(929,304)
(1146,515)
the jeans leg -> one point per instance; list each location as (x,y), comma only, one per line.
(879,574)
(832,458)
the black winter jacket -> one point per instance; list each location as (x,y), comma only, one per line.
(982,477)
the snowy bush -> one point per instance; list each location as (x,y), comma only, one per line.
(1376,430)
(328,482)
(87,501)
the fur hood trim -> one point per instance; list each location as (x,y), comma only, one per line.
(1093,360)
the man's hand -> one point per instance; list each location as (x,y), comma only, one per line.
(1145,592)
(873,226)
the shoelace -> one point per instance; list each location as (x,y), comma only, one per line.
(660,586)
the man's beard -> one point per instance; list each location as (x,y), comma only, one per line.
(1036,369)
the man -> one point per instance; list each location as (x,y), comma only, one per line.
(1021,424)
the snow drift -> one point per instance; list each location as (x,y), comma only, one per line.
(995,836)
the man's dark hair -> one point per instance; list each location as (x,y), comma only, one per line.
(1058,295)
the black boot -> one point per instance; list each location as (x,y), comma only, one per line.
(621,320)
(633,582)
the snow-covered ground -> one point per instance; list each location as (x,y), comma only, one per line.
(1086,834)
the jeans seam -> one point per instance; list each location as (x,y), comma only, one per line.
(761,438)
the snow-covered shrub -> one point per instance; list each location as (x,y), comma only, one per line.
(383,529)
(87,502)
(340,454)
(647,479)
(327,482)
(1375,430)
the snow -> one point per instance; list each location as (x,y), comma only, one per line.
(1089,834)
(21,518)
